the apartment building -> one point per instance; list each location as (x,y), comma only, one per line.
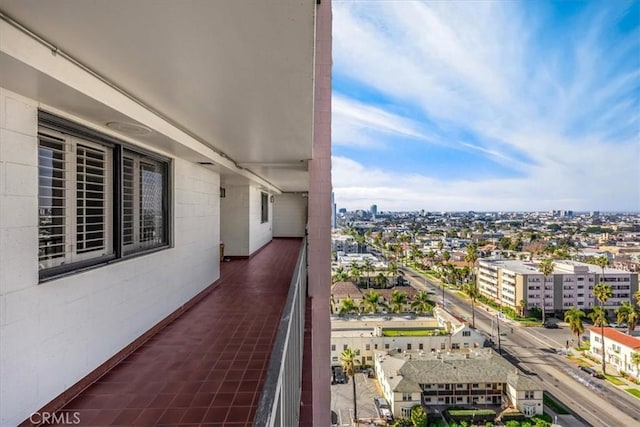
(400,333)
(135,139)
(571,285)
(440,380)
(618,349)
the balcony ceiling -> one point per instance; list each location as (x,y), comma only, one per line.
(237,75)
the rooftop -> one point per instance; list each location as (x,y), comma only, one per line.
(477,366)
(619,337)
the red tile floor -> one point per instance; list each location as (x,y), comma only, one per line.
(207,367)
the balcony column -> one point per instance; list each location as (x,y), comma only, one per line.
(319,229)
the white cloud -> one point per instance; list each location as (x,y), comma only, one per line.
(355,123)
(559,111)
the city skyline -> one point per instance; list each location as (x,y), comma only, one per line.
(506,106)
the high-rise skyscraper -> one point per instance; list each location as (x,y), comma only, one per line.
(374,210)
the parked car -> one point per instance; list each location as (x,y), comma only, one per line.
(618,325)
(383,408)
(592,372)
(339,377)
(550,325)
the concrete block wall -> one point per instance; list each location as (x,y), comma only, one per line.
(289,215)
(260,233)
(54,333)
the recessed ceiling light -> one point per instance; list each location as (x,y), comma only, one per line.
(133,129)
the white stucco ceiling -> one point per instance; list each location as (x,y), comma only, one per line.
(237,75)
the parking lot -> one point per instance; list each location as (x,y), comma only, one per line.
(342,400)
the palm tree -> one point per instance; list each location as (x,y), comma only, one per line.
(574,316)
(636,296)
(370,302)
(416,255)
(471,257)
(598,316)
(635,361)
(602,262)
(381,280)
(472,290)
(398,301)
(348,361)
(602,292)
(339,276)
(392,269)
(546,266)
(629,314)
(431,255)
(367,267)
(355,273)
(422,303)
(347,306)
(446,256)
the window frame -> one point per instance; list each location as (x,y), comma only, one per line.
(264,207)
(74,133)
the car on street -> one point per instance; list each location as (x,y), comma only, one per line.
(383,408)
(551,325)
(339,376)
(592,372)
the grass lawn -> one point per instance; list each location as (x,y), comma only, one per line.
(634,391)
(615,380)
(413,332)
(556,406)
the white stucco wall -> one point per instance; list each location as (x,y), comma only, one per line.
(289,215)
(260,233)
(234,220)
(53,334)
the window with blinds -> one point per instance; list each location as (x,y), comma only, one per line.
(91,199)
(52,201)
(99,200)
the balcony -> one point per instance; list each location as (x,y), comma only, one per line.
(233,359)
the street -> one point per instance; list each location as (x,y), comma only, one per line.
(596,401)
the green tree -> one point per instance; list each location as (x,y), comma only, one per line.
(398,301)
(574,316)
(371,302)
(522,306)
(392,270)
(348,360)
(598,316)
(381,280)
(422,302)
(446,256)
(629,314)
(339,275)
(471,289)
(602,292)
(367,267)
(355,273)
(635,361)
(347,306)
(418,416)
(546,266)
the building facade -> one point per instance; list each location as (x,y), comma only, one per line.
(571,284)
(401,334)
(618,349)
(479,378)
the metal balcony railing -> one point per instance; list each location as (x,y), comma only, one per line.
(279,404)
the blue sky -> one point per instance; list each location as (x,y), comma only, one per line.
(486,105)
